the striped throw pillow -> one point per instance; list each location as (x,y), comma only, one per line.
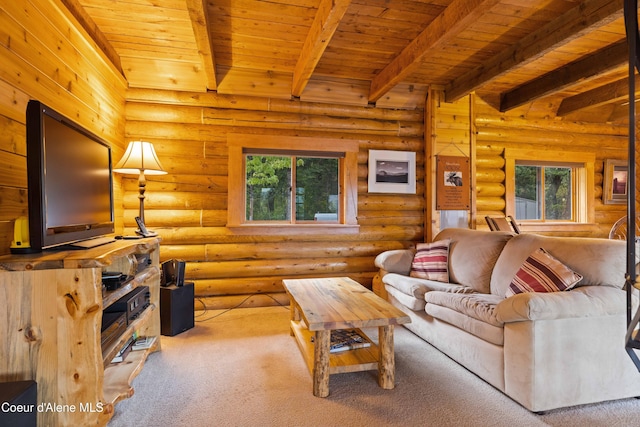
(541,272)
(431,261)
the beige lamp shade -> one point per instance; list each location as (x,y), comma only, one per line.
(140,157)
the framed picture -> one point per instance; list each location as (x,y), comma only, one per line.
(392,171)
(615,179)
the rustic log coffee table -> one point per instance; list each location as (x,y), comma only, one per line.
(319,306)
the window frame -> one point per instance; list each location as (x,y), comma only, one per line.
(293,195)
(574,187)
(583,187)
(240,144)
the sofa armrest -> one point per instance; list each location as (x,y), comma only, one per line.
(583,301)
(395,261)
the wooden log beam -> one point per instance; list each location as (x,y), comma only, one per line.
(454,19)
(274,120)
(264,285)
(585,68)
(338,266)
(200,24)
(496,162)
(508,122)
(490,189)
(613,92)
(567,27)
(217,100)
(195,235)
(490,175)
(94,32)
(325,23)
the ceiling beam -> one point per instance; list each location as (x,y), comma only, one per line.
(567,27)
(454,19)
(617,91)
(325,23)
(199,22)
(585,68)
(89,25)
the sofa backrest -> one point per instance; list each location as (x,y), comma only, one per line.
(472,255)
(599,261)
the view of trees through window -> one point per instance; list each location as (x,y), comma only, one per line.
(272,181)
(543,192)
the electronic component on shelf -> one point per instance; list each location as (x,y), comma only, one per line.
(113,280)
(113,326)
(142,261)
(132,304)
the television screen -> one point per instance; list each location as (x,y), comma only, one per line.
(82,182)
(69,178)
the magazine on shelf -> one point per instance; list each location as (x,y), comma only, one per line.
(143,343)
(347,339)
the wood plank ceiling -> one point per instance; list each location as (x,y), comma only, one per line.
(569,56)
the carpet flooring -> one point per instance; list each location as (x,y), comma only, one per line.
(242,368)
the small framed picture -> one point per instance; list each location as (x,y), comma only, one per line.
(616,175)
(392,171)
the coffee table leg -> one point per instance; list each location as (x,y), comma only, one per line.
(386,364)
(295,314)
(321,364)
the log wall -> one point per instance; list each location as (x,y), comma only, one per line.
(450,134)
(470,127)
(498,131)
(188,207)
(46,55)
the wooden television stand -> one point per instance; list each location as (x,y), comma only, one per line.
(51,333)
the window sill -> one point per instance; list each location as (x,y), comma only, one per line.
(287,229)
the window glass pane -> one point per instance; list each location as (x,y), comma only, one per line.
(316,189)
(528,200)
(557,193)
(268,184)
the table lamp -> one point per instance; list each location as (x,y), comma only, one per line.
(140,159)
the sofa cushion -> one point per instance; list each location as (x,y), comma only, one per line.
(473,254)
(600,261)
(418,287)
(541,272)
(476,305)
(478,328)
(583,301)
(409,301)
(395,261)
(431,261)
(410,290)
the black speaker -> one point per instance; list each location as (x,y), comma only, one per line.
(172,272)
(176,309)
(22,393)
(167,273)
(179,270)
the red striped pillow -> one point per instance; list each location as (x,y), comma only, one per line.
(431,261)
(541,272)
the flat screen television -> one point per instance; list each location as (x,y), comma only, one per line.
(70,183)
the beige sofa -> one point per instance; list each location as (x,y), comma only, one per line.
(544,350)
